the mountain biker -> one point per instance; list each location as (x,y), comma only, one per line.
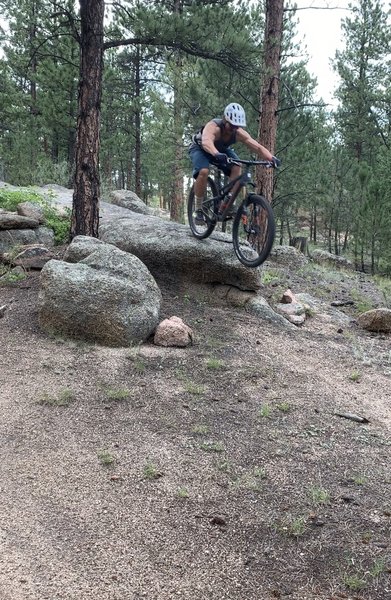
(211,144)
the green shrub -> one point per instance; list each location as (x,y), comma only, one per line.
(60,225)
(9,200)
(8,278)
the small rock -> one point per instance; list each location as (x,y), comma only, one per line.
(216,520)
(293,312)
(342,303)
(378,320)
(296,319)
(348,499)
(173,332)
(288,297)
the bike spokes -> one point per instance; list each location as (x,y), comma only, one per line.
(256,228)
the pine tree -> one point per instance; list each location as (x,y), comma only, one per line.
(362,118)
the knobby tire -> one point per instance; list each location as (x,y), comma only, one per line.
(253,231)
(198,231)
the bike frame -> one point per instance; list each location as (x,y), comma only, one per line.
(244,180)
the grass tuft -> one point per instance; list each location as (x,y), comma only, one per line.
(319,495)
(63,398)
(150,471)
(118,394)
(212,447)
(214,364)
(106,458)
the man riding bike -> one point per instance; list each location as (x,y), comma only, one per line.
(211,144)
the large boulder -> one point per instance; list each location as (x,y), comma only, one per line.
(287,256)
(333,260)
(173,254)
(81,247)
(9,238)
(131,201)
(33,256)
(31,210)
(11,220)
(109,297)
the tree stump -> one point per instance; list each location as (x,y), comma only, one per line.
(300,243)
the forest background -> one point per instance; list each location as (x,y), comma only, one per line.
(182,62)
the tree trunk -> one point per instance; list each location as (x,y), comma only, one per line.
(137,123)
(267,132)
(33,60)
(345,240)
(373,254)
(288,228)
(336,245)
(176,212)
(282,218)
(107,167)
(85,212)
(329,237)
(176,209)
(71,113)
(282,231)
(55,147)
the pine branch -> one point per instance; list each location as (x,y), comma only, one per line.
(294,9)
(375,120)
(191,48)
(301,106)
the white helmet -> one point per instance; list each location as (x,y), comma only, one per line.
(234,114)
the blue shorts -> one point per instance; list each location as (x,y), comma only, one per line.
(202,160)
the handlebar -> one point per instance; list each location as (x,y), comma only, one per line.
(238,161)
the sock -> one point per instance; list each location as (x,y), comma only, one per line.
(198,202)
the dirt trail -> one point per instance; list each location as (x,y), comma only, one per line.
(214,472)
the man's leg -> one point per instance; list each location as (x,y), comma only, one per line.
(200,160)
(200,187)
(235,172)
(235,169)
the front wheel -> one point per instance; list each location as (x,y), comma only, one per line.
(253,231)
(203,228)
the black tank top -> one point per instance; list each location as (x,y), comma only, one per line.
(220,144)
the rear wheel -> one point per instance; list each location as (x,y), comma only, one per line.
(253,231)
(202,229)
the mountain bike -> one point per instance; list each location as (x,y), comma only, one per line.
(253,228)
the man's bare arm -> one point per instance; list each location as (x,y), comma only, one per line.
(245,138)
(209,136)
